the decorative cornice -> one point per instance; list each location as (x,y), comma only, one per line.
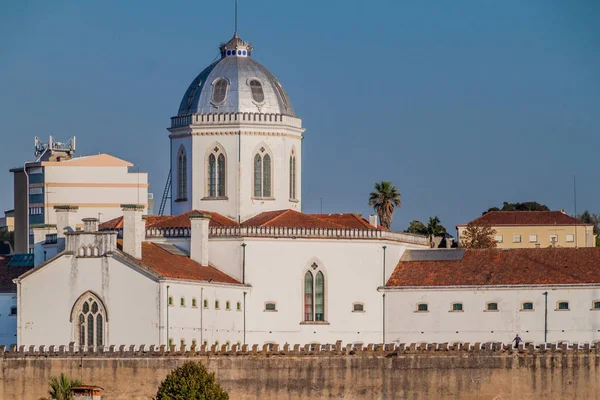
(233,133)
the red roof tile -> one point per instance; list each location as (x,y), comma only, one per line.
(519,218)
(289,219)
(171,221)
(352,221)
(7,274)
(178,266)
(549,266)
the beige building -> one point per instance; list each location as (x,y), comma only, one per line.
(97,185)
(7,223)
(522,229)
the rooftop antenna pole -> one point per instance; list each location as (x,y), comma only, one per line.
(575,204)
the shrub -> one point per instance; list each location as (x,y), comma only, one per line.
(191,381)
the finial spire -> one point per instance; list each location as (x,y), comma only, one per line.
(235,33)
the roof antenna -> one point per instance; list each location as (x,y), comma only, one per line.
(235,33)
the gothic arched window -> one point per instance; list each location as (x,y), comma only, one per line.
(314,294)
(262,174)
(293,175)
(181,174)
(216,170)
(89,318)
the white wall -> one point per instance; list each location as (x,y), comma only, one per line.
(47,296)
(580,323)
(8,323)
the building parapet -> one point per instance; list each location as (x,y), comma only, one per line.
(309,349)
(269,231)
(232,118)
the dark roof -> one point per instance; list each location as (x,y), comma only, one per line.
(8,273)
(546,266)
(4,248)
(22,260)
(498,218)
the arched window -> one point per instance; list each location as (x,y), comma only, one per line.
(182,174)
(293,175)
(89,319)
(219,91)
(314,294)
(257,91)
(216,172)
(262,174)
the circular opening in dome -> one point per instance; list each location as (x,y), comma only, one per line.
(239,52)
(244,52)
(228,52)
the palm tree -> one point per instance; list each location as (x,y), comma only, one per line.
(434,227)
(60,388)
(384,199)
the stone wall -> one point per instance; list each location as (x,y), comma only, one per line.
(471,371)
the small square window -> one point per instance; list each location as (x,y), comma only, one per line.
(563,305)
(358,307)
(532,238)
(527,306)
(595,305)
(499,238)
(205,303)
(570,238)
(492,307)
(13,310)
(422,307)
(457,307)
(270,306)
(516,238)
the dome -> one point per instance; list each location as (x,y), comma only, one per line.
(235,83)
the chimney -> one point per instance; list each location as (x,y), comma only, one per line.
(373,220)
(199,238)
(90,225)
(65,221)
(134,229)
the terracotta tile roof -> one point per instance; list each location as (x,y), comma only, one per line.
(175,266)
(498,218)
(289,219)
(8,273)
(550,266)
(352,221)
(171,221)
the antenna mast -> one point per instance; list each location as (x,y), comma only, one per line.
(235,16)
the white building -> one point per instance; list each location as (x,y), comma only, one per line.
(250,267)
(544,295)
(10,268)
(96,184)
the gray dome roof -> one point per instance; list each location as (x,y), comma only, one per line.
(232,76)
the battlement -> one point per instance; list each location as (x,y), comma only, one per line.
(310,349)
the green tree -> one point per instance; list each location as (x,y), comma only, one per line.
(588,218)
(60,387)
(191,381)
(478,236)
(525,206)
(9,237)
(434,227)
(384,199)
(416,227)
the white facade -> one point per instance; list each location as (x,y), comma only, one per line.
(580,322)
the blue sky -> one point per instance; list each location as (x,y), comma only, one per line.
(462,105)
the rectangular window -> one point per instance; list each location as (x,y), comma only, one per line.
(457,307)
(13,310)
(216,304)
(563,305)
(570,238)
(227,305)
(499,238)
(528,306)
(358,307)
(36,190)
(532,238)
(205,303)
(170,300)
(270,307)
(516,238)
(36,210)
(492,307)
(193,302)
(34,170)
(182,302)
(239,306)
(422,307)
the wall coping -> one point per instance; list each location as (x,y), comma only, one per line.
(337,349)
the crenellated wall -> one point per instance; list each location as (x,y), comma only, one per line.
(416,371)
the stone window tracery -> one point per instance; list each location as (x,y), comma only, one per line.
(314,294)
(262,174)
(216,169)
(181,174)
(89,319)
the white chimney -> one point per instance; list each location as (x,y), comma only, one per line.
(65,222)
(134,229)
(373,220)
(199,238)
